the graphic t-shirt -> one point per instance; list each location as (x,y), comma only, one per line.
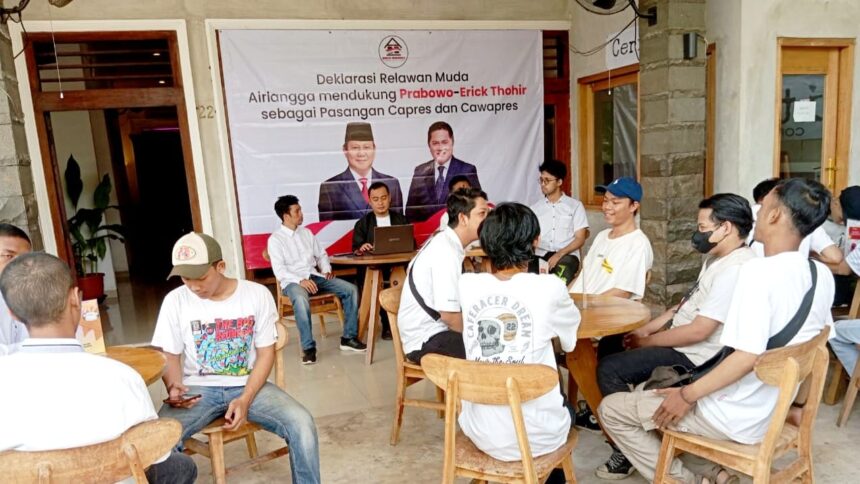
(513,322)
(619,263)
(218,338)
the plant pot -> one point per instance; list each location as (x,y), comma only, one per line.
(92,285)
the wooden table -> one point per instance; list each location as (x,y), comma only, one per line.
(146,361)
(601,316)
(485,261)
(368,309)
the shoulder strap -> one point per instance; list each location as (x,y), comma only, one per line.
(793,327)
(420,300)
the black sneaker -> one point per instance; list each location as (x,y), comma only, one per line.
(352,344)
(386,334)
(616,468)
(584,419)
(309,357)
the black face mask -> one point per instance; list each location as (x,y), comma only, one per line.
(701,243)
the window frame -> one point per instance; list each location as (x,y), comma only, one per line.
(587,87)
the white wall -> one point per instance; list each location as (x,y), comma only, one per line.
(746,34)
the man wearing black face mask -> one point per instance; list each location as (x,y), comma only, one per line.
(687,334)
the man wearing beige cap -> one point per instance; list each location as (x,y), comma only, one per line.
(345,196)
(225,328)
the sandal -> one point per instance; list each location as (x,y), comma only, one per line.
(713,476)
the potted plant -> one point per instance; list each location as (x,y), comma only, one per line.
(88,231)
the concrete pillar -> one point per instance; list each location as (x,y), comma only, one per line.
(672,143)
(17,199)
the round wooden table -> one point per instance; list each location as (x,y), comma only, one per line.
(146,361)
(368,309)
(601,316)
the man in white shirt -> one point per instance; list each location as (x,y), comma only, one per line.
(13,242)
(225,329)
(846,335)
(687,334)
(620,257)
(302,268)
(59,396)
(434,324)
(730,402)
(563,224)
(511,317)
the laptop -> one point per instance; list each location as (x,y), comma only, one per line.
(393,240)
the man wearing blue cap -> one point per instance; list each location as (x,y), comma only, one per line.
(620,256)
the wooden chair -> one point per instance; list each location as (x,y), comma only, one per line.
(408,373)
(493,384)
(850,393)
(213,447)
(127,455)
(320,305)
(784,368)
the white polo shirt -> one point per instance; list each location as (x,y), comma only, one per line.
(296,255)
(559,222)
(767,295)
(436,272)
(12,332)
(218,338)
(57,396)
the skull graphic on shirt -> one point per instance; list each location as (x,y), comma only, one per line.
(489,336)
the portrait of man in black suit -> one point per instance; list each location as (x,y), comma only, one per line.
(345,196)
(429,189)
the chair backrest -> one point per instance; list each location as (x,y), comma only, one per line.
(785,368)
(389,299)
(854,312)
(127,455)
(283,338)
(491,384)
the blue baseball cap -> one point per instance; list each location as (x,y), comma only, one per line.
(623,187)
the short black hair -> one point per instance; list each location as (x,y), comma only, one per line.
(36,287)
(440,125)
(728,207)
(554,168)
(807,201)
(763,188)
(9,230)
(508,234)
(283,204)
(462,201)
(457,179)
(377,185)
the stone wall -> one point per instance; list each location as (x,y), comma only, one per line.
(17,198)
(672,143)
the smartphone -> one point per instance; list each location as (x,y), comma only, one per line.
(184,398)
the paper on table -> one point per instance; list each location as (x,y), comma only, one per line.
(804,111)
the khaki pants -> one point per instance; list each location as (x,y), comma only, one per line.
(626,417)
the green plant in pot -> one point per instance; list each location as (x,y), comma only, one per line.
(89,233)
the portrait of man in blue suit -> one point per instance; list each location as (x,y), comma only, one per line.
(345,195)
(429,189)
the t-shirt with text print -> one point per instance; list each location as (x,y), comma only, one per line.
(218,338)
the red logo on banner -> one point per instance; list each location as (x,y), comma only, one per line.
(393,51)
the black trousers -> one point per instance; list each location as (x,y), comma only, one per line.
(565,269)
(448,343)
(619,370)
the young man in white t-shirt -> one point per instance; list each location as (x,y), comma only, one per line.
(687,334)
(13,242)
(57,396)
(511,316)
(435,325)
(563,224)
(225,329)
(730,402)
(620,257)
(846,335)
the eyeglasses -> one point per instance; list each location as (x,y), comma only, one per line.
(546,181)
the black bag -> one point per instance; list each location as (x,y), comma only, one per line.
(679,375)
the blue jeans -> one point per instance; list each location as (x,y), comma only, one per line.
(272,408)
(845,342)
(299,298)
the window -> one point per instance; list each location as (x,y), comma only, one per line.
(608,129)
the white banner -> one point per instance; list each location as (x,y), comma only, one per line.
(291,93)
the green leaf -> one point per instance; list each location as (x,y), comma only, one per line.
(74,184)
(101,197)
